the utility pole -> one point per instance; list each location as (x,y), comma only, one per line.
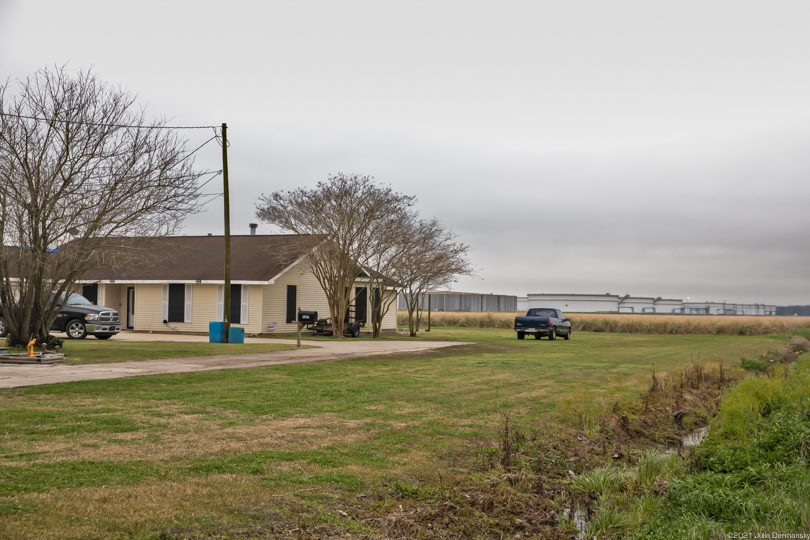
(226,309)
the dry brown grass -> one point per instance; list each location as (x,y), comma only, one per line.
(651,323)
(87,512)
(191,436)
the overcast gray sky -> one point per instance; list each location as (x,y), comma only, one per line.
(653,148)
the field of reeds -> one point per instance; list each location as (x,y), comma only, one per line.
(629,323)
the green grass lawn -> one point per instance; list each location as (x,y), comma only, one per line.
(268,451)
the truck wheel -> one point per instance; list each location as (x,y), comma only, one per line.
(537,336)
(553,334)
(521,335)
(355,331)
(3,327)
(568,335)
(76,329)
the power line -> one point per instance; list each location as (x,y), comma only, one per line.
(219,138)
(213,175)
(213,199)
(198,148)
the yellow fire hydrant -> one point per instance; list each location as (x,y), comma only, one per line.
(31,347)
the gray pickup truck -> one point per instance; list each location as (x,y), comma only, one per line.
(543,322)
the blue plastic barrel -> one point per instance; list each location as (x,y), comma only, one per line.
(216,332)
(236,334)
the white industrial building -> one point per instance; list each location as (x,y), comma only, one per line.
(462,301)
(577,303)
(614,303)
(725,308)
(581,303)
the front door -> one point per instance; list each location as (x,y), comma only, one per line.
(130,308)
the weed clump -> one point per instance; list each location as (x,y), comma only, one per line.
(784,355)
(753,471)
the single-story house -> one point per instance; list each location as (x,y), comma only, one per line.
(181,280)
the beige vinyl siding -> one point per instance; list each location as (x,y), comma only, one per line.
(309,297)
(389,322)
(203,308)
(148,299)
(254,325)
(114,296)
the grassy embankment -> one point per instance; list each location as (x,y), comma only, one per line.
(651,323)
(751,476)
(397,446)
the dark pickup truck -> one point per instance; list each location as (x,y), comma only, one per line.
(543,322)
(79,317)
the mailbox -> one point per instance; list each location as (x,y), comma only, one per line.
(307,316)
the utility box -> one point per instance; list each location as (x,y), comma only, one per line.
(236,334)
(307,316)
(216,332)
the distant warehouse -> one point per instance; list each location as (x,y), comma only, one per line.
(580,303)
(614,303)
(461,301)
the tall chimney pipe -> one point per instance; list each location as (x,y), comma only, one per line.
(253,227)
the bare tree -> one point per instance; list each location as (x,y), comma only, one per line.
(347,218)
(384,262)
(431,259)
(79,166)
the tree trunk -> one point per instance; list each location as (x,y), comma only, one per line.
(413,309)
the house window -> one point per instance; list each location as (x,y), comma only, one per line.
(176,305)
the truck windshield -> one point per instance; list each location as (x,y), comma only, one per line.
(75,300)
(541,313)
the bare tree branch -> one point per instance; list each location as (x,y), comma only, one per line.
(431,259)
(356,215)
(79,167)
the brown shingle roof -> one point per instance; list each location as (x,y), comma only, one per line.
(188,258)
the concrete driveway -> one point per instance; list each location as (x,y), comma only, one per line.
(19,375)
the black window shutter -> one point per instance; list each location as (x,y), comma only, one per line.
(236,304)
(177,302)
(91,292)
(292,292)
